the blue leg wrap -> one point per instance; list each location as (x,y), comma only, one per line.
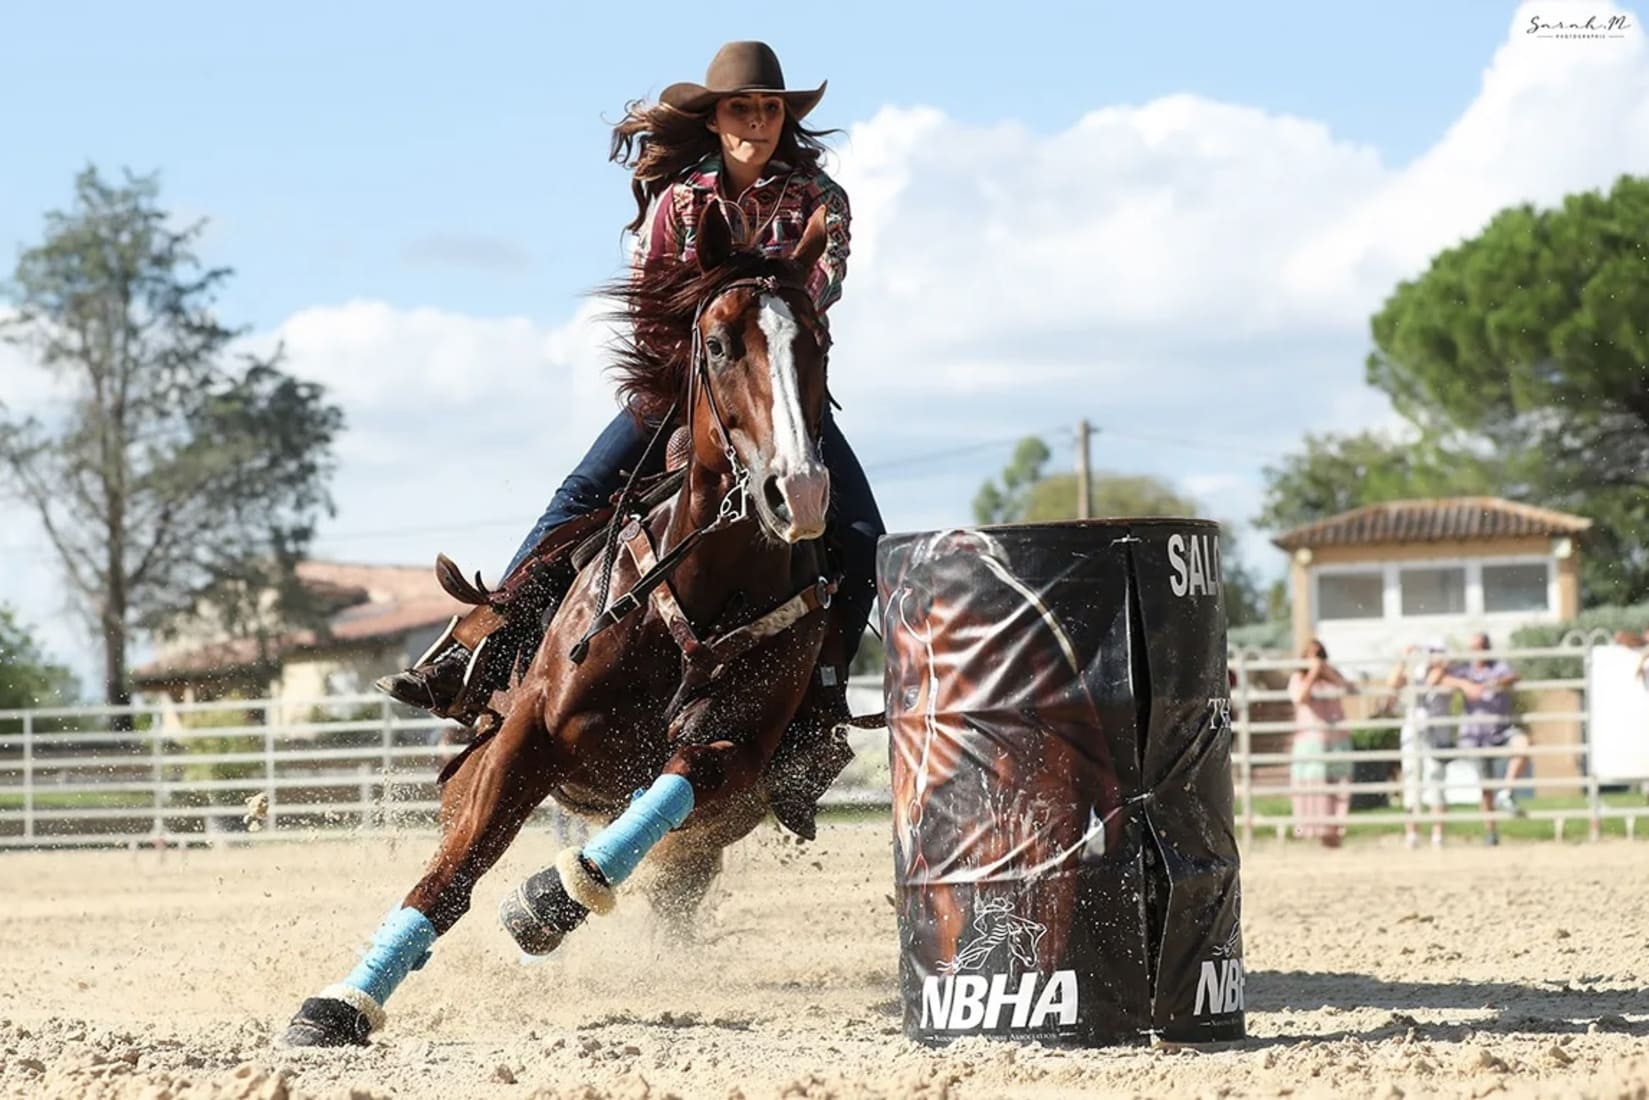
(617,849)
(400,945)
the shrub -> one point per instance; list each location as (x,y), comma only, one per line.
(213,746)
(1607,619)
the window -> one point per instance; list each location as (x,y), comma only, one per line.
(1520,587)
(1434,591)
(1350,595)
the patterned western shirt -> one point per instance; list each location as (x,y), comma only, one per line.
(772,212)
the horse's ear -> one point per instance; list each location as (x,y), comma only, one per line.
(715,239)
(812,245)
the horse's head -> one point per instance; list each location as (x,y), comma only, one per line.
(758,381)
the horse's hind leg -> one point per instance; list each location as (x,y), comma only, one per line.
(483,806)
(687,862)
(684,867)
(704,776)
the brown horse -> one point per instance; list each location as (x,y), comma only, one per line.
(684,684)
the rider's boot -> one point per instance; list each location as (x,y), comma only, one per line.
(816,749)
(435,682)
(440,680)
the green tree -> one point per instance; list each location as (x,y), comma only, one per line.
(1279,602)
(28,678)
(1247,600)
(1521,359)
(177,479)
(1034,498)
(1532,335)
(1111,495)
(1336,473)
(1005,503)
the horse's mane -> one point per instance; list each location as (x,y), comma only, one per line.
(659,303)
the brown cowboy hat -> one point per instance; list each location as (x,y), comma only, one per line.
(740,68)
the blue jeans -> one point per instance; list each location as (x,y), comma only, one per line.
(855,520)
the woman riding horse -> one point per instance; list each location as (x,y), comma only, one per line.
(735,142)
(676,668)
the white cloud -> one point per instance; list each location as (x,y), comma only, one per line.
(1551,117)
(1183,269)
(451,418)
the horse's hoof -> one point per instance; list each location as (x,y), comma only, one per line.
(539,913)
(327,1022)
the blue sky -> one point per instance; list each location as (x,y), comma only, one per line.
(325,141)
(1174,223)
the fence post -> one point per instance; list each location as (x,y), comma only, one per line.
(157,774)
(389,762)
(271,793)
(28,775)
(1594,797)
(1246,747)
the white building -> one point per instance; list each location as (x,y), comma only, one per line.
(1370,581)
(379,619)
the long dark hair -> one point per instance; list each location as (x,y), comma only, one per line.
(661,302)
(658,143)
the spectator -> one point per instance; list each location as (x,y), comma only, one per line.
(1486,685)
(1424,735)
(1318,713)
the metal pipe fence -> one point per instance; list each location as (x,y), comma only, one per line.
(252,770)
(242,771)
(1261,774)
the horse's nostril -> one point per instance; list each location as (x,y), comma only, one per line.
(775,499)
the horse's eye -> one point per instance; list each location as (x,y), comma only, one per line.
(715,347)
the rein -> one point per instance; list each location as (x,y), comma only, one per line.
(734,508)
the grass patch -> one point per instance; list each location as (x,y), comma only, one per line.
(1456,826)
(82,800)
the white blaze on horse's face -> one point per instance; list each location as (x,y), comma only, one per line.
(791,485)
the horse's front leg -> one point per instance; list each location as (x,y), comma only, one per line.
(483,806)
(723,744)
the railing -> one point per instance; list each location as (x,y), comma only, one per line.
(248,770)
(1248,694)
(245,770)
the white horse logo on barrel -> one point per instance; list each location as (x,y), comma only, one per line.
(997,923)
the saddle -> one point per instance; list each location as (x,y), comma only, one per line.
(507,625)
(503,631)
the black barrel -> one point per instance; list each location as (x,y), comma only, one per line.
(1066,863)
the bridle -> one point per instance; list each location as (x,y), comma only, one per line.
(737,502)
(735,506)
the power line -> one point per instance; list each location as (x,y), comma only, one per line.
(950,452)
(1057,433)
(1205,444)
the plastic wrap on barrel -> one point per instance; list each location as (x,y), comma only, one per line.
(1034,881)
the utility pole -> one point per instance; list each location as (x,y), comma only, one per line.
(1084,490)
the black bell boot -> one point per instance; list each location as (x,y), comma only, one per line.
(327,1022)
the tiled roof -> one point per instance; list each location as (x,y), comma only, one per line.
(1451,519)
(378,583)
(219,657)
(372,601)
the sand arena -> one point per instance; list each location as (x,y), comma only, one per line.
(1373,971)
